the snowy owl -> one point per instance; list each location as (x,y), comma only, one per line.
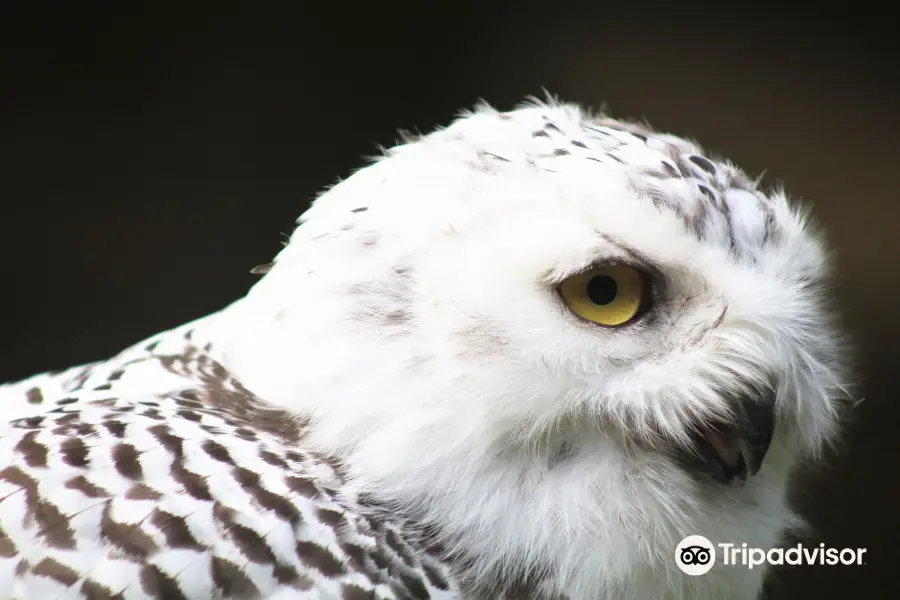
(522,356)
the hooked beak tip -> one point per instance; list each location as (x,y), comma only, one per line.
(735,452)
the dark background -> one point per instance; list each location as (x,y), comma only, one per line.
(148,160)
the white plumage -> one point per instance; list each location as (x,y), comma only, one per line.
(411,404)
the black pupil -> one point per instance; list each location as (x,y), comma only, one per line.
(602,289)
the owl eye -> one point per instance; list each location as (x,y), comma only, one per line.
(611,296)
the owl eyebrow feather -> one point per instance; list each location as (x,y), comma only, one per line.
(627,256)
(634,258)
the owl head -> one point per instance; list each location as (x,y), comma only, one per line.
(558,341)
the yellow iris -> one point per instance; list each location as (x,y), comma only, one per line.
(609,296)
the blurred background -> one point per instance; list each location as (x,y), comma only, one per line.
(150,158)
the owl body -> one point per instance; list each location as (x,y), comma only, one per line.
(409,404)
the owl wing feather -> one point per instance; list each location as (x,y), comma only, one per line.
(158,475)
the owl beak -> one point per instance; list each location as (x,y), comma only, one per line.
(733,452)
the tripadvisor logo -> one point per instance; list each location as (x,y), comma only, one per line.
(696,555)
